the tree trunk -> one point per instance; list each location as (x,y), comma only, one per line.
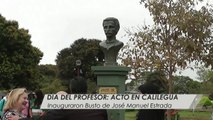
(169,117)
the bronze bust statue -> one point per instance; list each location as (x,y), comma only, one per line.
(111,45)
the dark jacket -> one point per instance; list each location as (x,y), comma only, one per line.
(75,115)
(150,114)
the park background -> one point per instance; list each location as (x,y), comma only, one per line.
(56,28)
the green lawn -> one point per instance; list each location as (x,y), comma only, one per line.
(130,115)
(189,115)
(184,115)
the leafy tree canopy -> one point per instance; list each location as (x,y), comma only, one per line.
(181,34)
(18,58)
(185,85)
(205,75)
(88,51)
(48,70)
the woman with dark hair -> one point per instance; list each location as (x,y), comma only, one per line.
(36,111)
(39,98)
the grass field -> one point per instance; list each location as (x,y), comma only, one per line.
(130,115)
(184,115)
(189,115)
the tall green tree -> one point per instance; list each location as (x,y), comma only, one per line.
(88,51)
(185,85)
(18,58)
(181,34)
(205,75)
(48,70)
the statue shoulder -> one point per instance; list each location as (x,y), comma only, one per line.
(103,43)
(115,43)
(119,42)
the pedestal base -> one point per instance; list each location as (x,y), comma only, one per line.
(112,77)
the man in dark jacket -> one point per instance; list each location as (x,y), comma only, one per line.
(78,85)
(152,86)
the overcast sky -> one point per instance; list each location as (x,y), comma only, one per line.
(55,24)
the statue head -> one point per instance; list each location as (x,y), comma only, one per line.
(111,26)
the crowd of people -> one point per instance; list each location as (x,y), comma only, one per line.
(77,85)
(19,103)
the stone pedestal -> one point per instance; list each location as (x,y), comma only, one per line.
(112,79)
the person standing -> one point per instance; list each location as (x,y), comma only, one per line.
(16,102)
(153,85)
(78,85)
(38,100)
(36,111)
